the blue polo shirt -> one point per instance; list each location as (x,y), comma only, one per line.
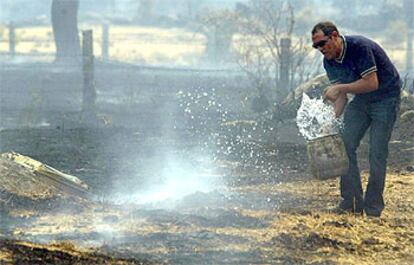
(359,57)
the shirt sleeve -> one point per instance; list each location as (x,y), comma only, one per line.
(365,61)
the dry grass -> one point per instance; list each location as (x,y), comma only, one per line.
(312,235)
(348,239)
(127,43)
(140,44)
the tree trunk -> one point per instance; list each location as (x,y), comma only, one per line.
(65,29)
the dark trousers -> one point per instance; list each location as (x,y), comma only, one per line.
(379,117)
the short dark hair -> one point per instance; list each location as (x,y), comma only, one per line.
(327,27)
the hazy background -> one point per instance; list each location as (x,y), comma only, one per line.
(181,83)
(173,32)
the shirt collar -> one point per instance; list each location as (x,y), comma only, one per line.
(340,59)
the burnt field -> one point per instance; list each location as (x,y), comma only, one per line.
(182,172)
(176,199)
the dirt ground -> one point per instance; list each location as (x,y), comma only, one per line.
(257,214)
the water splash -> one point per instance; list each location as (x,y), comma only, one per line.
(227,130)
(316,119)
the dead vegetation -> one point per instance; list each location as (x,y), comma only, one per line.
(19,252)
(277,216)
(318,236)
(271,221)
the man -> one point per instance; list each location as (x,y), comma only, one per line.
(357,65)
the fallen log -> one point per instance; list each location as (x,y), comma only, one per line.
(23,176)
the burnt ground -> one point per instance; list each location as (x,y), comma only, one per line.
(264,208)
(19,252)
(256,202)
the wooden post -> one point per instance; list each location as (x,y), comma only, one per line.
(105,41)
(89,93)
(12,39)
(284,68)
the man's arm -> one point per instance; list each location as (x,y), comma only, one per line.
(339,104)
(365,84)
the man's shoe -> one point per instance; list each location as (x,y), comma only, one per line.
(352,210)
(358,210)
(339,210)
(372,213)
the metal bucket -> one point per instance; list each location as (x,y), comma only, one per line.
(327,157)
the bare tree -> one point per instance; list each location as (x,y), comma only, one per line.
(261,36)
(264,26)
(65,29)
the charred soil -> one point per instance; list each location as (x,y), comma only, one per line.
(266,210)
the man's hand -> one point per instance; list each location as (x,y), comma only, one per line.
(339,104)
(366,84)
(331,93)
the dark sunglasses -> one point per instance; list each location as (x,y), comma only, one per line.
(320,44)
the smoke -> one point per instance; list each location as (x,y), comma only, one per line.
(179,175)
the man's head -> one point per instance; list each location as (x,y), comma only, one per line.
(325,38)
